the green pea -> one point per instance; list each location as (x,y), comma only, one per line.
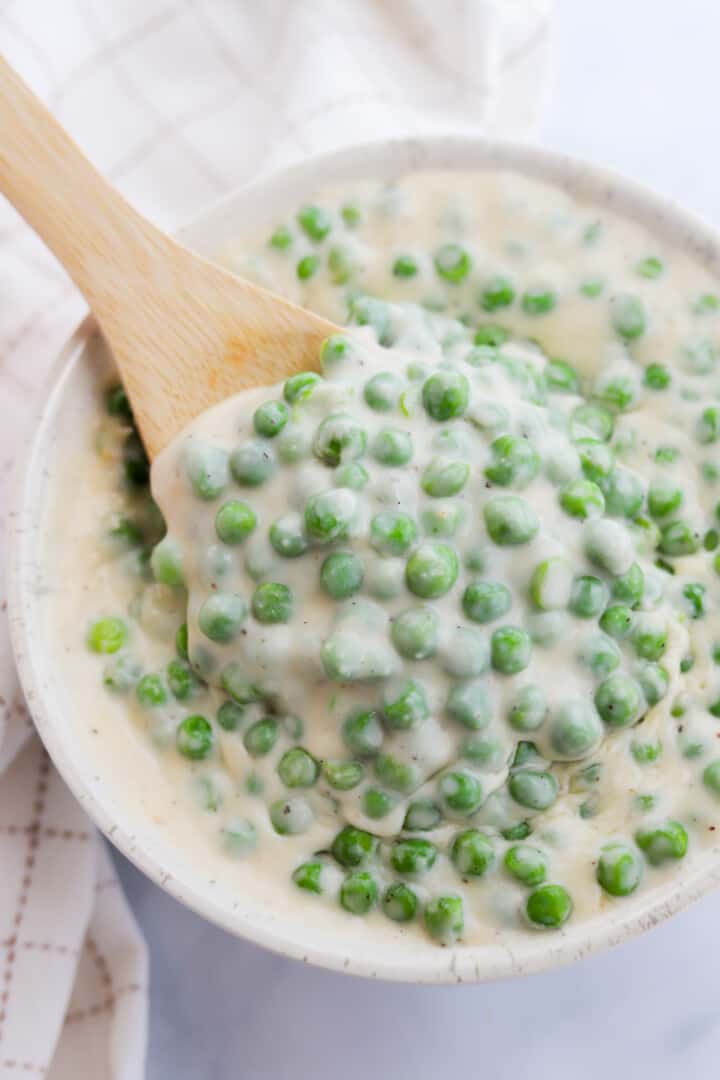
(526,863)
(575,730)
(382,392)
(362,732)
(617,392)
(237,685)
(239,838)
(422,815)
(221,616)
(415,633)
(136,466)
(353,847)
(230,715)
(297,768)
(514,462)
(654,682)
(707,427)
(619,700)
(405,266)
(308,876)
(405,704)
(582,499)
(663,842)
(491,336)
(510,650)
(460,791)
(181,679)
(392,532)
(270,418)
(588,596)
(194,737)
(272,603)
(328,515)
(551,583)
(649,642)
(694,592)
(290,817)
(350,214)
(396,774)
(533,788)
(446,395)
(617,621)
(624,493)
(252,463)
(339,439)
(117,403)
(315,222)
(453,263)
(281,239)
(342,264)
(630,586)
(432,570)
(646,753)
(368,311)
(472,853)
(529,709)
(650,267)
(593,418)
(107,635)
(539,301)
(444,918)
(442,520)
(287,536)
(444,477)
(609,546)
(561,377)
(392,447)
(301,386)
(234,522)
(549,906)
(510,520)
(525,753)
(485,601)
(498,292)
(657,377)
(596,459)
(353,475)
(337,350)
(469,704)
(343,775)
(592,288)
(413,856)
(260,737)
(123,532)
(121,674)
(399,902)
(627,316)
(377,804)
(711,777)
(341,575)
(151,691)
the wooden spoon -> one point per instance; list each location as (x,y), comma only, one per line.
(185,334)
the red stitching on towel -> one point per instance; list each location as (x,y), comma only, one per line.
(102,1006)
(24,1066)
(32,848)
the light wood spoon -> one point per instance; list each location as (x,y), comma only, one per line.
(185,334)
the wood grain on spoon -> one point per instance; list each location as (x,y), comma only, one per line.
(185,334)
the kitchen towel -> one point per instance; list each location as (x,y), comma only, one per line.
(177,103)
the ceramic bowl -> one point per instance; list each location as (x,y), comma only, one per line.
(115,782)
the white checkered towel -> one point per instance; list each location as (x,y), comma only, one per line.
(177,102)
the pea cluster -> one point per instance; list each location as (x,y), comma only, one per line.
(433,594)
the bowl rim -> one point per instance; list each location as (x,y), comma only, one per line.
(465,963)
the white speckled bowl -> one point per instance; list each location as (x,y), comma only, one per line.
(119,800)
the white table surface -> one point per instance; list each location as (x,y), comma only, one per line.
(637,87)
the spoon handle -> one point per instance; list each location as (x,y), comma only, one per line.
(85,222)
